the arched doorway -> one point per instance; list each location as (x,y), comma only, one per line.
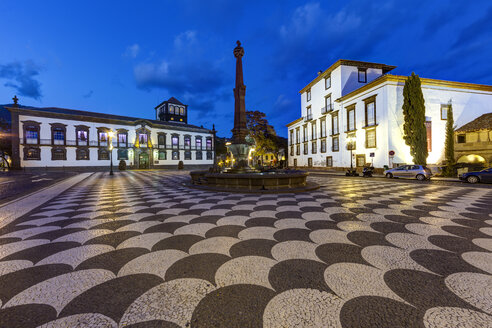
(143,161)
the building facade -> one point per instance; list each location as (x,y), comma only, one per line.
(60,138)
(473,143)
(358,105)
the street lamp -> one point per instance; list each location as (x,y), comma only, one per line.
(111,135)
(350,146)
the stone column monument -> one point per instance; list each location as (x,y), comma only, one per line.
(239,148)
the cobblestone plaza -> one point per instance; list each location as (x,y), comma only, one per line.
(139,249)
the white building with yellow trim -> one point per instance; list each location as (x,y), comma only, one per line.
(360,102)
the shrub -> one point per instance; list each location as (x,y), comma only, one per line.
(180,165)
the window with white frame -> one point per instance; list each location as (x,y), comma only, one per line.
(370,113)
(323,128)
(32,135)
(175,142)
(198,143)
(351,119)
(58,137)
(334,123)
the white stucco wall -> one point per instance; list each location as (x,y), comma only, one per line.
(468,104)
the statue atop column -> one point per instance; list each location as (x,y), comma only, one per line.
(239,132)
(239,148)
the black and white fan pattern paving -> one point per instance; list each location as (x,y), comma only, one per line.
(141,250)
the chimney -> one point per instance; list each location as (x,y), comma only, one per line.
(319,73)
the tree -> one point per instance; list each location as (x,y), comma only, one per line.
(414,131)
(263,134)
(449,143)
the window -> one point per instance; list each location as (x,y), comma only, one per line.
(187,143)
(171,109)
(122,154)
(323,145)
(444,112)
(314,147)
(58,154)
(291,133)
(175,155)
(334,144)
(295,162)
(161,140)
(142,139)
(209,155)
(362,75)
(308,95)
(428,129)
(122,139)
(175,142)
(82,135)
(461,138)
(292,150)
(199,155)
(32,153)
(305,148)
(103,155)
(209,143)
(371,138)
(198,142)
(82,154)
(370,113)
(334,124)
(298,137)
(323,128)
(309,113)
(328,82)
(351,119)
(181,111)
(32,135)
(329,161)
(58,135)
(187,154)
(305,133)
(313,131)
(328,103)
(103,139)
(298,150)
(162,155)
(310,162)
(360,160)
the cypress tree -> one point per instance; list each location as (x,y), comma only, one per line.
(414,132)
(449,143)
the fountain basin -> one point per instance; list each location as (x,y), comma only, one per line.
(264,182)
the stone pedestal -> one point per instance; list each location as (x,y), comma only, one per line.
(240,152)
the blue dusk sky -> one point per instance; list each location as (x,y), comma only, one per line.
(125,57)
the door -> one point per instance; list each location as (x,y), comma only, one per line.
(400,171)
(143,161)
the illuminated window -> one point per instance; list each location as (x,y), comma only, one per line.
(58,136)
(122,139)
(198,142)
(175,155)
(32,135)
(32,154)
(175,141)
(162,155)
(187,142)
(82,154)
(371,138)
(428,129)
(209,143)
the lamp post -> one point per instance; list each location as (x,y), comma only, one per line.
(350,146)
(111,135)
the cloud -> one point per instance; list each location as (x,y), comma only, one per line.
(22,77)
(283,104)
(481,27)
(191,78)
(88,94)
(132,51)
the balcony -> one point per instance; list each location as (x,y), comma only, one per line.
(328,108)
(308,117)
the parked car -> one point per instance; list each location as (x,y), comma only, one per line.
(479,176)
(420,172)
